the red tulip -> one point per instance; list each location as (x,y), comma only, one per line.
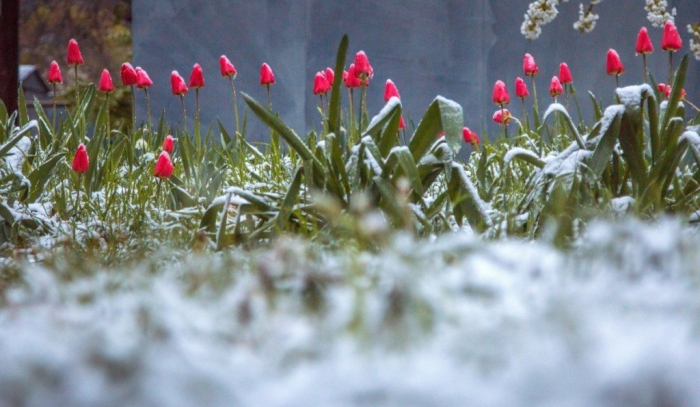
(502,118)
(362,66)
(350,78)
(164,167)
(227,68)
(55,73)
(529,66)
(320,84)
(565,74)
(614,65)
(666,90)
(267,77)
(402,123)
(197,77)
(105,82)
(74,57)
(470,137)
(177,84)
(169,144)
(555,88)
(500,94)
(671,40)
(81,161)
(644,45)
(390,90)
(128,75)
(330,76)
(143,81)
(521,88)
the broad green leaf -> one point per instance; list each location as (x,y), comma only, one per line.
(274,122)
(41,175)
(290,200)
(334,109)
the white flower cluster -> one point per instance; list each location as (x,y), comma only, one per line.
(695,41)
(539,13)
(586,18)
(657,12)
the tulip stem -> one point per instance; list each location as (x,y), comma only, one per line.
(148,109)
(274,139)
(77,202)
(77,88)
(352,115)
(109,127)
(363,100)
(617,85)
(54,107)
(670,69)
(646,72)
(235,105)
(525,118)
(133,109)
(196,117)
(505,124)
(184,113)
(566,96)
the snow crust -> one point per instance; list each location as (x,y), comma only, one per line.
(449,322)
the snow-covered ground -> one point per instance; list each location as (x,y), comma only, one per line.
(452,322)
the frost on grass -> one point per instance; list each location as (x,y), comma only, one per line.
(14,160)
(518,151)
(386,110)
(633,96)
(449,322)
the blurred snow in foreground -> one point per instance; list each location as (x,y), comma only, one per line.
(453,322)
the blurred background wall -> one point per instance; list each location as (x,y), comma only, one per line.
(454,48)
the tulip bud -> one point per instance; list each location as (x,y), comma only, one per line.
(81,161)
(521,90)
(320,84)
(565,74)
(644,45)
(177,84)
(402,123)
(128,75)
(470,137)
(330,76)
(362,66)
(502,118)
(500,94)
(73,56)
(529,66)
(197,77)
(55,73)
(105,82)
(143,81)
(169,144)
(164,167)
(350,78)
(227,68)
(555,88)
(267,77)
(390,90)
(671,40)
(614,65)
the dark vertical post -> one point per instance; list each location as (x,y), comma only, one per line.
(9,52)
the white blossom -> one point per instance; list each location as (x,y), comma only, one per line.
(586,18)
(658,13)
(695,41)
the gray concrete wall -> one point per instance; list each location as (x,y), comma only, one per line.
(455,48)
